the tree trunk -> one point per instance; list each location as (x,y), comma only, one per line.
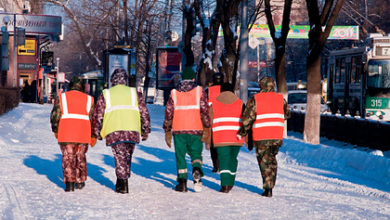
(311,133)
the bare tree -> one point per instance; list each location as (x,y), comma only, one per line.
(280,43)
(320,27)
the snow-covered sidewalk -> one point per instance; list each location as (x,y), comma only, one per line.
(314,182)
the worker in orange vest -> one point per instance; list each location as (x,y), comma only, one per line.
(226,113)
(186,116)
(214,91)
(265,113)
(71,119)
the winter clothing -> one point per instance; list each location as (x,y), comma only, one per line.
(186,115)
(74,162)
(187,136)
(213,92)
(269,124)
(71,119)
(226,115)
(266,149)
(120,117)
(75,125)
(121,112)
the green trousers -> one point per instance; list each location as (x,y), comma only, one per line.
(227,156)
(191,144)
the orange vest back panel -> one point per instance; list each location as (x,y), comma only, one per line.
(75,125)
(226,122)
(186,115)
(269,122)
(214,92)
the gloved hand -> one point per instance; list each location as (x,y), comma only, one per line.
(168,138)
(93,142)
(56,135)
(144,136)
(206,135)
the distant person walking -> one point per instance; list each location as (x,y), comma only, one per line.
(121,117)
(213,92)
(71,120)
(186,114)
(226,113)
(265,113)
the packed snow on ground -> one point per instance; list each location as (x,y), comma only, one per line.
(327,181)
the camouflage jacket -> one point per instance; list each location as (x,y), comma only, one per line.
(120,136)
(55,117)
(184,86)
(249,118)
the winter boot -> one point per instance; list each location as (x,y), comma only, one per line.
(80,185)
(182,186)
(267,193)
(226,189)
(69,186)
(122,186)
(196,176)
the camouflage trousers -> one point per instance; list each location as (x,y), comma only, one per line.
(74,162)
(123,152)
(266,158)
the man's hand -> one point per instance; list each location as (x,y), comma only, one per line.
(56,135)
(144,136)
(168,138)
(208,146)
(93,142)
(206,136)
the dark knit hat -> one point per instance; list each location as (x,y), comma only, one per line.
(188,73)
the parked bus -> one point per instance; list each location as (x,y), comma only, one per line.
(359,79)
(93,83)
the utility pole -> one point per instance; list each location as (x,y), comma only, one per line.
(244,52)
(14,55)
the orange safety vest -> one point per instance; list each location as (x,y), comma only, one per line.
(75,125)
(227,121)
(214,92)
(186,116)
(269,122)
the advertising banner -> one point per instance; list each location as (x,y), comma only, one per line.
(39,24)
(301,32)
(28,49)
(168,68)
(117,61)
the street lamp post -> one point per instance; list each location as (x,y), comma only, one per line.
(58,71)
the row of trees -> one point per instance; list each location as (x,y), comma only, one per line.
(95,25)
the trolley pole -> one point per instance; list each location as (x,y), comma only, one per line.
(244,52)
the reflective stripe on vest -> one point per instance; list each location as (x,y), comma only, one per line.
(186,115)
(121,112)
(269,123)
(75,125)
(226,123)
(214,92)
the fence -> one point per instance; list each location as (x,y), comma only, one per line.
(362,132)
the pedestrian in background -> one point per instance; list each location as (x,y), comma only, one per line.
(265,113)
(121,117)
(71,119)
(186,115)
(214,91)
(226,113)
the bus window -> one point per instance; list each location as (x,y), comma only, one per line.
(378,74)
(342,70)
(337,72)
(353,70)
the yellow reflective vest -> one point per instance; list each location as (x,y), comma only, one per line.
(121,112)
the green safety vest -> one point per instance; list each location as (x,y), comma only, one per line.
(121,112)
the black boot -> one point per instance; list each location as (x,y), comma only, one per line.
(196,175)
(267,193)
(80,185)
(226,189)
(122,186)
(69,186)
(182,186)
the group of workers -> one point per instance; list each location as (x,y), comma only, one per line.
(193,116)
